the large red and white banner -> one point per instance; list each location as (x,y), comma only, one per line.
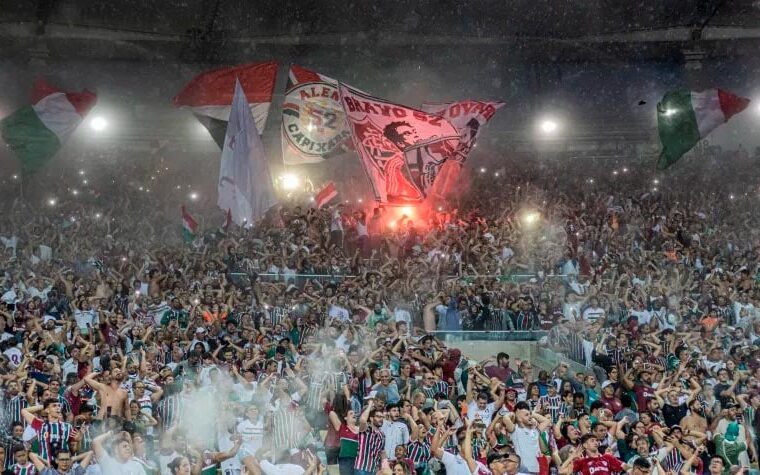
(313,122)
(386,137)
(468,117)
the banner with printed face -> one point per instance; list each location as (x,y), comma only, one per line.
(313,122)
(386,137)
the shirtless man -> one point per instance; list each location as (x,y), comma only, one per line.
(694,422)
(114,401)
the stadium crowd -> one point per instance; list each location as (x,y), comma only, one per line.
(317,340)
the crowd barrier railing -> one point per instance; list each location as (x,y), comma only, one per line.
(486,335)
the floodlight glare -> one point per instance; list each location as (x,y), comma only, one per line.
(290,181)
(549,126)
(98,123)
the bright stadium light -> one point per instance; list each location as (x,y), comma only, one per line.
(290,181)
(531,217)
(75,192)
(52,202)
(549,126)
(98,123)
(193,196)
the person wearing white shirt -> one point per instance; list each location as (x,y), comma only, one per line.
(593,312)
(396,432)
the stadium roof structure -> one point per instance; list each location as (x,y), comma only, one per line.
(208,31)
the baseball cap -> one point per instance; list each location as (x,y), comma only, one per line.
(606,383)
(200,330)
(371,395)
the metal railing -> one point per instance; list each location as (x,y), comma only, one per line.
(485,335)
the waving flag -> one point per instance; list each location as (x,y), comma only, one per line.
(686,117)
(313,123)
(325,195)
(189,226)
(36,132)
(245,184)
(468,117)
(209,95)
(386,136)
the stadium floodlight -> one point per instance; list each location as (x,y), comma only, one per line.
(52,202)
(290,181)
(548,126)
(531,217)
(98,123)
(193,196)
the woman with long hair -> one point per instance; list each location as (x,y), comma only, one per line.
(343,420)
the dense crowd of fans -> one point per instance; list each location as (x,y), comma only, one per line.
(318,339)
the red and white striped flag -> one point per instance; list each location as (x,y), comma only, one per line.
(325,195)
(189,226)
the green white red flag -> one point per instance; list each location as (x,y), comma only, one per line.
(686,117)
(36,132)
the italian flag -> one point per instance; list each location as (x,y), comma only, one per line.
(36,132)
(189,226)
(686,117)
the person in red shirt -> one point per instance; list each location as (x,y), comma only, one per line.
(608,397)
(589,461)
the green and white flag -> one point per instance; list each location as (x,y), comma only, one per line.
(686,117)
(36,132)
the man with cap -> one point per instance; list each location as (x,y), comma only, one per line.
(503,463)
(609,399)
(200,337)
(641,387)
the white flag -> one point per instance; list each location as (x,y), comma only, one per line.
(245,184)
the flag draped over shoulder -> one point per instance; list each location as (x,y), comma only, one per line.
(245,184)
(209,95)
(36,132)
(313,122)
(388,137)
(686,117)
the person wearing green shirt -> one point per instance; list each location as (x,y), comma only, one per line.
(378,315)
(728,448)
(176,312)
